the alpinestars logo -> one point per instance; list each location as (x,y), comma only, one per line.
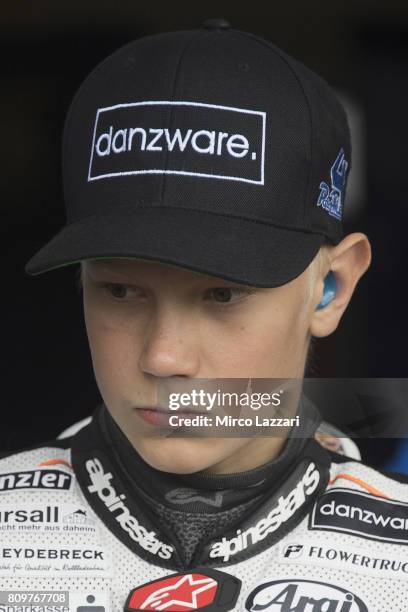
(178,137)
(102,487)
(199,589)
(282,512)
(185,592)
(183,495)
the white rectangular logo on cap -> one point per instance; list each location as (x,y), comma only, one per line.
(181,138)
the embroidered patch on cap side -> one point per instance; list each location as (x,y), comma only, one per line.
(331,198)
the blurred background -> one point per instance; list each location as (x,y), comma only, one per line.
(47,49)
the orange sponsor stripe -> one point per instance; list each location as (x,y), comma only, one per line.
(56,462)
(361,483)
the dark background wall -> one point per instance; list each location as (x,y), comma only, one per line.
(47,48)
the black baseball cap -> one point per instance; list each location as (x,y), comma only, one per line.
(209,149)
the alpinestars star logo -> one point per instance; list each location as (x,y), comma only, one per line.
(183,495)
(206,589)
(187,592)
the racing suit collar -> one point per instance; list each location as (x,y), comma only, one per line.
(236,487)
(257,509)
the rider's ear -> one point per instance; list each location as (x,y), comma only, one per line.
(347,263)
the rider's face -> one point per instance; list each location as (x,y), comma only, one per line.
(149,322)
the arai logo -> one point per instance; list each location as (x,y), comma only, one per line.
(303,596)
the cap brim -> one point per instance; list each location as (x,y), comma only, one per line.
(235,249)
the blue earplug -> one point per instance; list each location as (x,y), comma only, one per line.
(329,290)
